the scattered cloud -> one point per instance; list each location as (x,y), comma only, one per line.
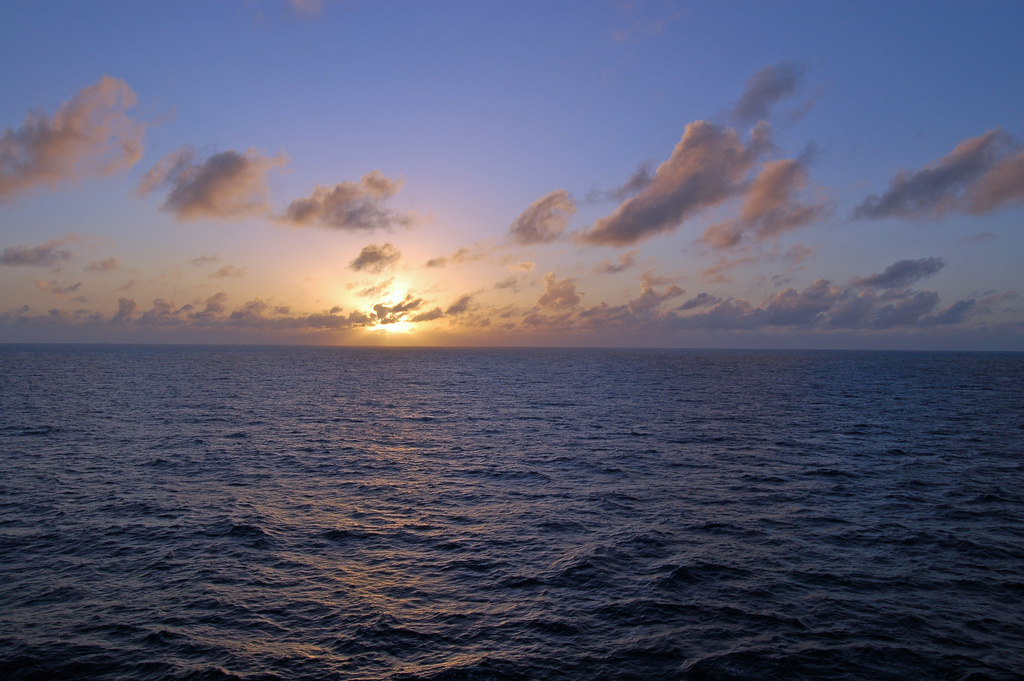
(229,271)
(636,183)
(374,291)
(902,273)
(558,294)
(374,258)
(227,185)
(545,219)
(307,8)
(765,88)
(525,266)
(980,174)
(90,135)
(459,306)
(56,288)
(706,168)
(770,207)
(461,255)
(623,262)
(205,260)
(391,314)
(125,309)
(350,206)
(108,265)
(700,300)
(51,254)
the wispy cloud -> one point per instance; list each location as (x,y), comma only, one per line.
(765,88)
(706,168)
(771,206)
(623,262)
(108,265)
(56,288)
(51,254)
(229,271)
(544,220)
(902,273)
(227,185)
(90,135)
(980,174)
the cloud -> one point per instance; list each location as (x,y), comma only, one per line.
(204,260)
(392,314)
(307,8)
(770,207)
(707,167)
(350,206)
(436,313)
(125,308)
(513,282)
(215,303)
(460,256)
(636,183)
(980,174)
(525,266)
(766,87)
(460,305)
(90,135)
(700,300)
(374,291)
(558,293)
(902,273)
(228,271)
(56,288)
(545,219)
(227,185)
(374,258)
(51,254)
(108,265)
(624,262)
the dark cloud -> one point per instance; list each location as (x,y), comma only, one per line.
(436,313)
(558,294)
(766,87)
(700,300)
(706,168)
(902,273)
(229,271)
(392,314)
(125,308)
(227,185)
(90,135)
(108,265)
(770,207)
(51,254)
(979,175)
(624,262)
(544,220)
(460,305)
(350,206)
(374,258)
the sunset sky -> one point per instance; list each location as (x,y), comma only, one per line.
(602,173)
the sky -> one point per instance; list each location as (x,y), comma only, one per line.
(495,173)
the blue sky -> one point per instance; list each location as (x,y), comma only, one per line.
(846,175)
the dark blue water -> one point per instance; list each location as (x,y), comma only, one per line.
(288,513)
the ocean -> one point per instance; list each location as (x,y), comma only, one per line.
(259,513)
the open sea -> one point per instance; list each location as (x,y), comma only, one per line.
(259,513)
